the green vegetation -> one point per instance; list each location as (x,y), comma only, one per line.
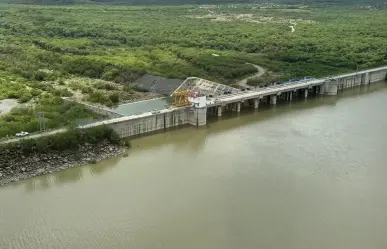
(94,52)
(69,140)
(120,43)
(267,77)
(56,114)
(162,2)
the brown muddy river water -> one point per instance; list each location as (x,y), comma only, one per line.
(312,174)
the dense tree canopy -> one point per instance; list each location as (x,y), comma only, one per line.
(163,2)
(122,43)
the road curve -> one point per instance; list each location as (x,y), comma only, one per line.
(260,71)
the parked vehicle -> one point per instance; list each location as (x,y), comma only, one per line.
(22,134)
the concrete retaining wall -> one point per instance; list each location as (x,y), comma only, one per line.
(137,126)
(378,75)
(361,79)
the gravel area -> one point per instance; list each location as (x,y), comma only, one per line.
(7,104)
(157,84)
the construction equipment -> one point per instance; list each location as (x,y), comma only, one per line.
(180,98)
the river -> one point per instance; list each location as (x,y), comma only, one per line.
(311,174)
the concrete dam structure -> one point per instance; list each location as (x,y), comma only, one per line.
(210,98)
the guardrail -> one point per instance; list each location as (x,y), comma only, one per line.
(265,89)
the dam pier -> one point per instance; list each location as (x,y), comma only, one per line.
(197,98)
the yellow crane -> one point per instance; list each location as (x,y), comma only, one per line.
(180,98)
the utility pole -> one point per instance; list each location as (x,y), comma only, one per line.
(42,125)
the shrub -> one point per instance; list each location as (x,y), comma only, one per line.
(86,90)
(35,92)
(106,86)
(40,76)
(62,93)
(110,87)
(126,143)
(139,89)
(97,97)
(25,98)
(28,75)
(111,74)
(9,118)
(109,103)
(114,97)
(128,89)
(12,95)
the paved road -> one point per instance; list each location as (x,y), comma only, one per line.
(49,133)
(266,91)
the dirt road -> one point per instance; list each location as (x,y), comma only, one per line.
(260,71)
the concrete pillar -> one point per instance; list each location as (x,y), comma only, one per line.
(306,93)
(256,103)
(367,78)
(330,87)
(238,106)
(321,88)
(290,96)
(273,99)
(201,116)
(219,111)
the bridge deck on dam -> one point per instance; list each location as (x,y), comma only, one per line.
(261,92)
(223,97)
(360,72)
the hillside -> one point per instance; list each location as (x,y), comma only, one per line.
(178,2)
(94,52)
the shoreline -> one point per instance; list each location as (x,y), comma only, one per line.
(46,163)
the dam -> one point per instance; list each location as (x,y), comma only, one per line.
(207,98)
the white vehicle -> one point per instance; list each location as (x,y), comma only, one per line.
(22,134)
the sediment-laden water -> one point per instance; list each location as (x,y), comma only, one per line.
(307,175)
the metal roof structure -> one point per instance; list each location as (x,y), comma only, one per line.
(206,87)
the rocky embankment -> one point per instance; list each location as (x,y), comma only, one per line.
(16,166)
